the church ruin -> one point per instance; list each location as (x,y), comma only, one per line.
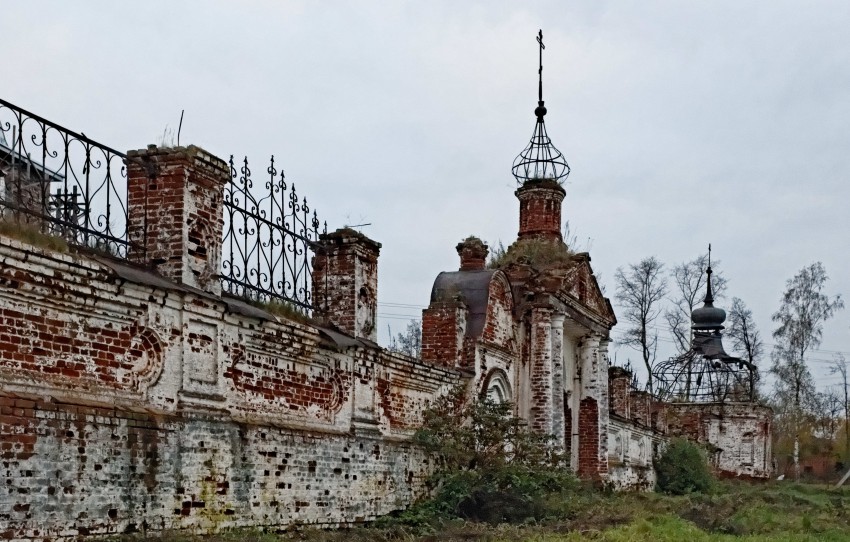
(162,373)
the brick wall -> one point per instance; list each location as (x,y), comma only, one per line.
(738,435)
(640,407)
(630,454)
(81,470)
(127,398)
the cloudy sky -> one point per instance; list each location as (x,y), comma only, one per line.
(684,122)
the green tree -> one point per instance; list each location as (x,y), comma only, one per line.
(803,310)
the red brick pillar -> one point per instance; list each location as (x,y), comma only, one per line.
(175,213)
(541,370)
(641,407)
(443,332)
(619,386)
(345,282)
(540,209)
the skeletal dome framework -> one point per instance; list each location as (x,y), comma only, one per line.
(540,159)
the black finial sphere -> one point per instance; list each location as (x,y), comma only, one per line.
(540,111)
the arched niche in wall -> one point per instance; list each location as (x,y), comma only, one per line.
(497,387)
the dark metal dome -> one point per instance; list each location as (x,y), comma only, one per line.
(708,317)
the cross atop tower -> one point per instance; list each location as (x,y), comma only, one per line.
(540,69)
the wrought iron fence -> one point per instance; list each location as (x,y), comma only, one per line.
(59,182)
(269,234)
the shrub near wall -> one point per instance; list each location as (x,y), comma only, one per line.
(683,468)
(493,468)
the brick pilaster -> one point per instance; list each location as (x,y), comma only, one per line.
(175,213)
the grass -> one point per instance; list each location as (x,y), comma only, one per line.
(285,309)
(538,253)
(30,234)
(732,512)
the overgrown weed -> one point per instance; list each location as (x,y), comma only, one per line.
(31,234)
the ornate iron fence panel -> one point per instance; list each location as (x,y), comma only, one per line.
(61,183)
(269,234)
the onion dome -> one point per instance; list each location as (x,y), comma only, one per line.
(708,317)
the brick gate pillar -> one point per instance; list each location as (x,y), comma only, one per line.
(345,282)
(175,213)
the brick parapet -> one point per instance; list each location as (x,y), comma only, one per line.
(640,407)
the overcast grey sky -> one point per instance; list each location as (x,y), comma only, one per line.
(684,122)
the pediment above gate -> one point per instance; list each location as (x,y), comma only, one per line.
(581,287)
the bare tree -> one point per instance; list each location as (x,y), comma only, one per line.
(800,318)
(409,342)
(746,338)
(688,289)
(839,367)
(640,290)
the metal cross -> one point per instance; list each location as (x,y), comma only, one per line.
(540,70)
